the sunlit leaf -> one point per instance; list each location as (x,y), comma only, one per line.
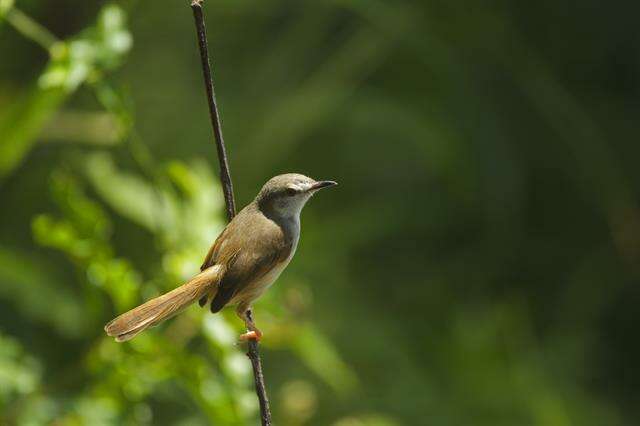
(128,194)
(21,123)
(19,372)
(321,357)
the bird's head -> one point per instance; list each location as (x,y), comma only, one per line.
(287,194)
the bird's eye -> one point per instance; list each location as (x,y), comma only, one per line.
(290,192)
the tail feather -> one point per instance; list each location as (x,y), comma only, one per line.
(129,324)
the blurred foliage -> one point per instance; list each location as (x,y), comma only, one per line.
(82,58)
(478,264)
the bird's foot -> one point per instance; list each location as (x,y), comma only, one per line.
(251,335)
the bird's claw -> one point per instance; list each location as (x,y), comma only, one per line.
(251,335)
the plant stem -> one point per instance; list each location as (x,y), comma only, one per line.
(227,187)
(258,378)
(225,176)
(30,29)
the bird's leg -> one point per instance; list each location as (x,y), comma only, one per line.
(244,312)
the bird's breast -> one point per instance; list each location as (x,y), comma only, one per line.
(288,230)
(257,288)
(270,277)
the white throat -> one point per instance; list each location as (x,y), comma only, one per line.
(290,207)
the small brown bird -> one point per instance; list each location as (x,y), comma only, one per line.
(243,262)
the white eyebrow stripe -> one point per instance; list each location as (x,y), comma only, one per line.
(300,186)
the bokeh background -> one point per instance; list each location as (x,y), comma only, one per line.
(477,265)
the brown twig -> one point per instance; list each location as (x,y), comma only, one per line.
(227,188)
(225,176)
(258,378)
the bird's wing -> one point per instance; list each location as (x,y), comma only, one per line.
(249,247)
(248,267)
(214,250)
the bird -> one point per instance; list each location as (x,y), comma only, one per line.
(243,262)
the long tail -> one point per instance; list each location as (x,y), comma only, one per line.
(129,324)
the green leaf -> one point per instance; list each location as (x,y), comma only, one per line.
(21,124)
(321,357)
(129,195)
(33,290)
(19,372)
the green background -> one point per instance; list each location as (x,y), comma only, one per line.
(477,265)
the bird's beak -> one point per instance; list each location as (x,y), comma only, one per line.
(322,184)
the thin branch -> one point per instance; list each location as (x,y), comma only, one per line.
(225,176)
(227,187)
(30,28)
(258,378)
